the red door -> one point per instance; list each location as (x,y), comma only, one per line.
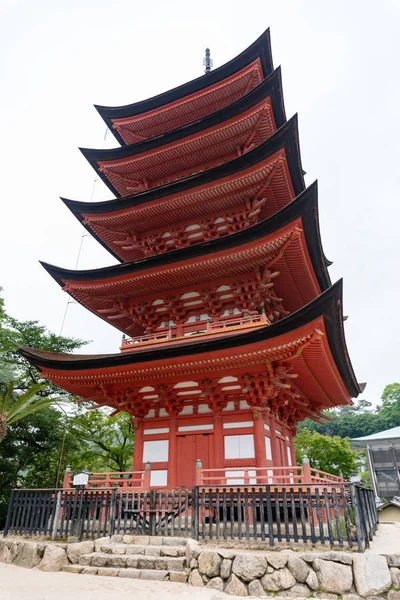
(191,448)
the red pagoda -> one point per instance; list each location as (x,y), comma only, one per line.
(232,330)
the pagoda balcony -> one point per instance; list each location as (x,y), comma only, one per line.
(193,329)
(300,475)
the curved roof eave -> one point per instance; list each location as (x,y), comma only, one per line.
(286,137)
(328,305)
(270,87)
(261,49)
(305,206)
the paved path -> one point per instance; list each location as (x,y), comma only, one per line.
(386,540)
(23,584)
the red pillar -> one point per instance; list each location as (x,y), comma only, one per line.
(219,451)
(172,454)
(259,444)
(138,445)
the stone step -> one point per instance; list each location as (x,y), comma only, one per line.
(146,540)
(155,575)
(172,551)
(134,561)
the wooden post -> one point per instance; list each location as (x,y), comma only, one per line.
(67,481)
(56,516)
(147,476)
(259,444)
(138,446)
(172,458)
(306,471)
(199,474)
(219,445)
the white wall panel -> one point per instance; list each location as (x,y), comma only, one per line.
(156,451)
(239,446)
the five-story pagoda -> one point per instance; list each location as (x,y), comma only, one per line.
(232,331)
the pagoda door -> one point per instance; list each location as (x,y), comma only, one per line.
(190,449)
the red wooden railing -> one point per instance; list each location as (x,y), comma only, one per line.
(165,334)
(140,480)
(299,475)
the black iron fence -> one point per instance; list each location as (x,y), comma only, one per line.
(336,515)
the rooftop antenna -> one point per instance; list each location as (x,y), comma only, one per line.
(207,62)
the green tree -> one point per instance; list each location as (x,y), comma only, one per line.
(105,442)
(330,454)
(389,412)
(16,405)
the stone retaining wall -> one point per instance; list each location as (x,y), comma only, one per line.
(325,575)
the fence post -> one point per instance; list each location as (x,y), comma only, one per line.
(199,474)
(306,471)
(67,483)
(356,509)
(152,512)
(56,515)
(147,476)
(113,505)
(195,512)
(9,512)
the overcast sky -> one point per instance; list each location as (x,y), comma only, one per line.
(340,67)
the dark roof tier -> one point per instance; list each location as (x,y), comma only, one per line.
(310,341)
(203,144)
(194,99)
(290,238)
(275,166)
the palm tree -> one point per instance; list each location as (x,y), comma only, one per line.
(16,404)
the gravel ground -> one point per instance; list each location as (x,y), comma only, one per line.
(29,584)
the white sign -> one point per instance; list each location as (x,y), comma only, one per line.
(81,479)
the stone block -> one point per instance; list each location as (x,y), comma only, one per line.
(312,580)
(333,577)
(73,568)
(173,541)
(54,559)
(216,583)
(277,559)
(75,551)
(129,573)
(194,564)
(249,566)
(298,568)
(116,539)
(226,568)
(108,572)
(209,563)
(395,575)
(235,587)
(127,539)
(145,562)
(153,575)
(196,579)
(256,589)
(98,560)
(226,553)
(132,562)
(142,540)
(178,576)
(119,562)
(278,580)
(300,590)
(133,549)
(193,550)
(170,551)
(28,557)
(371,574)
(86,559)
(119,549)
(152,551)
(98,544)
(342,557)
(393,560)
(393,595)
(89,571)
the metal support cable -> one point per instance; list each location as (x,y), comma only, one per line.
(84,234)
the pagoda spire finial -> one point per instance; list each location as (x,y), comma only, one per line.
(207,62)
